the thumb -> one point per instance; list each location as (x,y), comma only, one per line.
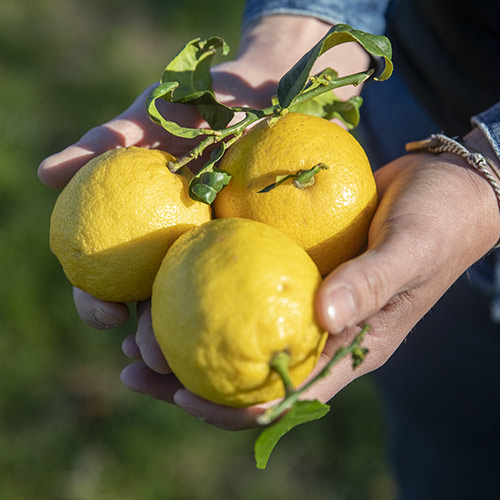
(124,130)
(361,287)
(131,128)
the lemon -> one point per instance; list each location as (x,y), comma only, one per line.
(229,295)
(329,219)
(114,221)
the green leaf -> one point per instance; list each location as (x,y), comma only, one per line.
(300,413)
(329,106)
(187,80)
(208,185)
(191,66)
(295,80)
(165,90)
(209,182)
(191,69)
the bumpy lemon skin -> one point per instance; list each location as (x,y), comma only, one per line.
(229,295)
(114,221)
(331,218)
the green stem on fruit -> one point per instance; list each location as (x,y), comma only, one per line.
(281,364)
(306,178)
(354,349)
(302,179)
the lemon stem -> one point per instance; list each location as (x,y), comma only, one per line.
(302,179)
(354,349)
(354,79)
(305,178)
(281,363)
(175,166)
(236,130)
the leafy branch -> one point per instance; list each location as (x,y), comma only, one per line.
(291,409)
(187,80)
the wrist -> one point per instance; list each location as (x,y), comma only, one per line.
(477,141)
(479,170)
(480,192)
(270,46)
(277,42)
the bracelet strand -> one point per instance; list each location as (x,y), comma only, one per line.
(440,143)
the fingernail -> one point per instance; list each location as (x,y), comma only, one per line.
(341,309)
(182,399)
(104,319)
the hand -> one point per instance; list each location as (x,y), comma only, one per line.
(266,53)
(268,49)
(436,218)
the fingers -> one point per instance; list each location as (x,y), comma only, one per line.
(130,347)
(401,258)
(152,376)
(146,342)
(220,416)
(56,170)
(355,292)
(139,378)
(104,315)
(98,313)
(131,128)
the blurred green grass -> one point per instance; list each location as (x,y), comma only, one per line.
(68,429)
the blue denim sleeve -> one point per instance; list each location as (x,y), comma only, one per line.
(365,15)
(489,123)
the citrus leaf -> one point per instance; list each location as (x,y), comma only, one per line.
(295,80)
(209,182)
(300,413)
(165,91)
(191,69)
(329,106)
(191,66)
(187,79)
(208,185)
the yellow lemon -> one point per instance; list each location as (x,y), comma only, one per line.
(114,221)
(329,219)
(230,295)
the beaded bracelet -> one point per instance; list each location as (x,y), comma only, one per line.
(440,143)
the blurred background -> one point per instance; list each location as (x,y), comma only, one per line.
(68,428)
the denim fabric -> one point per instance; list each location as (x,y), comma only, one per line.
(489,123)
(365,15)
